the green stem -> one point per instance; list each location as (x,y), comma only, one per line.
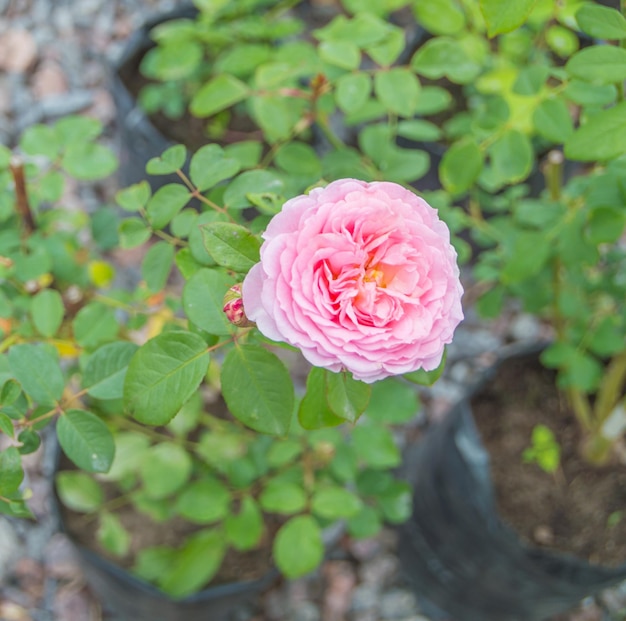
(611,389)
(553,174)
(7,342)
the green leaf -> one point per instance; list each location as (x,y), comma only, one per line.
(562,41)
(218,94)
(445,57)
(134,197)
(40,140)
(512,156)
(88,161)
(419,130)
(387,52)
(427,378)
(247,153)
(77,128)
(112,535)
(275,115)
(441,17)
(365,524)
(282,497)
(157,264)
(79,491)
(47,310)
(299,158)
(393,402)
(38,372)
(314,411)
(106,368)
(526,257)
(153,562)
(168,162)
(194,564)
(245,529)
(346,397)
(163,374)
(130,447)
(11,473)
(251,182)
(94,325)
(86,440)
(585,94)
(210,165)
(601,22)
(231,245)
(258,389)
(352,91)
(164,469)
(606,225)
(6,425)
(460,166)
(334,503)
(165,203)
(395,502)
(602,137)
(204,501)
(283,452)
(133,232)
(298,547)
(602,64)
(203,301)
(398,90)
(504,17)
(11,390)
(531,79)
(30,440)
(344,54)
(552,120)
(375,446)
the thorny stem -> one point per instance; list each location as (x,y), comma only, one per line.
(22,205)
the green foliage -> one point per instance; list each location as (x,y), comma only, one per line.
(544,449)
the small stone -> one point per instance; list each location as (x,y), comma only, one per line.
(48,80)
(525,327)
(380,571)
(69,103)
(18,51)
(543,534)
(365,549)
(71,603)
(10,611)
(9,547)
(397,604)
(60,558)
(364,597)
(305,611)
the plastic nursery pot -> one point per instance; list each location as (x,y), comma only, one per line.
(139,139)
(459,556)
(135,600)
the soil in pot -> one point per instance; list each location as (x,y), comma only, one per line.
(580,510)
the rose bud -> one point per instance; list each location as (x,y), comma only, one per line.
(233,307)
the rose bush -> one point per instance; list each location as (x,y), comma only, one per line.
(359,276)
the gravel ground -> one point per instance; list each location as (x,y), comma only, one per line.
(54,56)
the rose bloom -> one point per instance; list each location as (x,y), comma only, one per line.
(360,277)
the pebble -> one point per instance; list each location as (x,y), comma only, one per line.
(9,547)
(397,604)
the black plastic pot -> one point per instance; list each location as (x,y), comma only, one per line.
(457,554)
(135,600)
(139,139)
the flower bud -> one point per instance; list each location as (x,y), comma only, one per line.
(233,307)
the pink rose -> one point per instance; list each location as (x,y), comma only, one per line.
(358,276)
